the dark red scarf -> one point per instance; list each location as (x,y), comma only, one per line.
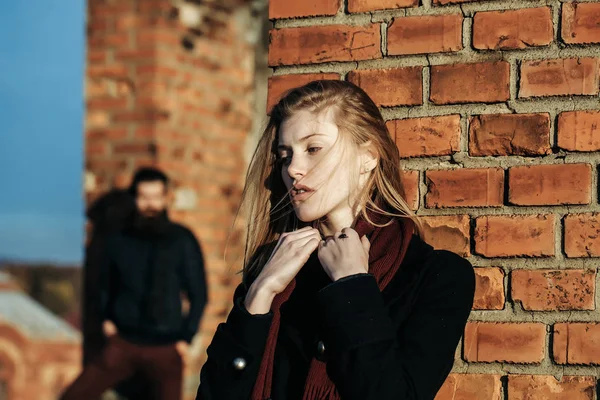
(388,248)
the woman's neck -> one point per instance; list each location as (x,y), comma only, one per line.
(336,221)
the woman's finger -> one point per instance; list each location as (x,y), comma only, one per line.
(366,244)
(311,245)
(328,239)
(302,233)
(290,237)
(301,242)
(349,232)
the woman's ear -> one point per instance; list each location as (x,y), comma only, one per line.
(368,156)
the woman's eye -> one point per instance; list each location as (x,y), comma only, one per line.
(314,150)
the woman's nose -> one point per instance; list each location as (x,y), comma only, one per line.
(295,169)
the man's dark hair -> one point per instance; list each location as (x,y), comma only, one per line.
(147,174)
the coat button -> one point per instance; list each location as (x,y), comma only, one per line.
(239,363)
(321,348)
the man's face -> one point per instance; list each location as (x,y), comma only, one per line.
(151,199)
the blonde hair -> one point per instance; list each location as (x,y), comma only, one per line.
(264,195)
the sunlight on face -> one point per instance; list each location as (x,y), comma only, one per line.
(316,166)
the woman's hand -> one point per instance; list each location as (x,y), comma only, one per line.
(344,254)
(290,254)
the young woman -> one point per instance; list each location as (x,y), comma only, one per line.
(340,298)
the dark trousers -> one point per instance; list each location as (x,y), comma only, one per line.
(161,366)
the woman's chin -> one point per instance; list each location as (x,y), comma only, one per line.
(306,215)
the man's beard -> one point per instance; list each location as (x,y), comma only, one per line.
(155,223)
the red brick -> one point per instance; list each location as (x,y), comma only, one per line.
(527,387)
(581,235)
(577,343)
(470,387)
(513,29)
(97,56)
(97,88)
(35,367)
(509,134)
(96,148)
(107,134)
(357,6)
(560,77)
(471,187)
(427,136)
(579,130)
(156,70)
(152,38)
(515,236)
(308,8)
(145,132)
(391,87)
(486,82)
(136,55)
(209,323)
(550,290)
(278,85)
(141,115)
(99,27)
(580,23)
(550,184)
(118,40)
(425,34)
(489,289)
(521,343)
(129,148)
(107,71)
(105,164)
(410,182)
(153,6)
(446,2)
(448,232)
(106,103)
(319,44)
(97,120)
(128,21)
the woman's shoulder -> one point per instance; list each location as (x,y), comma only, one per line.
(441,269)
(447,263)
(450,281)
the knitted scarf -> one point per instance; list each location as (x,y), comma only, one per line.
(388,248)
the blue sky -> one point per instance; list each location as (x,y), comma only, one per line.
(41,122)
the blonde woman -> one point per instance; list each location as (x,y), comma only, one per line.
(341,298)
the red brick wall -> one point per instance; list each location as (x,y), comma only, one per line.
(152,102)
(32,369)
(495,111)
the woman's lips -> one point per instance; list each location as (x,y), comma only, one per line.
(301,193)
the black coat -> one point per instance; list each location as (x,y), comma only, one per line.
(145,307)
(397,344)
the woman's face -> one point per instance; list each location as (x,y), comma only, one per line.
(316,166)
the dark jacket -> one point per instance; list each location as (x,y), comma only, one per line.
(397,344)
(126,283)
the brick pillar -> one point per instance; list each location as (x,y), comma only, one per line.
(187,108)
(494,109)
